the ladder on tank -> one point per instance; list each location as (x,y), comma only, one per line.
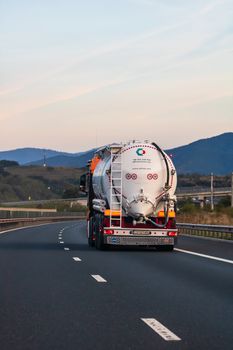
(116,187)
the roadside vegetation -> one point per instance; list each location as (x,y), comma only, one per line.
(190,210)
(23,183)
(197,180)
(192,213)
(20,183)
(59,205)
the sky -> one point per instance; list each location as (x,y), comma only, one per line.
(79,74)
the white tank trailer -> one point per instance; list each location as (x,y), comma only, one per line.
(131,196)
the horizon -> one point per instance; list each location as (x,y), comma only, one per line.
(89,149)
(75,79)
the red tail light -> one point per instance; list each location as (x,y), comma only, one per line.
(109,232)
(172,233)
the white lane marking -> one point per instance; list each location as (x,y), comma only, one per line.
(98,278)
(61,242)
(66,248)
(76,258)
(159,328)
(207,238)
(33,226)
(204,255)
(24,227)
(59,237)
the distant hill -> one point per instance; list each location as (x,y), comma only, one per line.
(74,161)
(214,154)
(27,155)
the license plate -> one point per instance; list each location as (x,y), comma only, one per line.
(113,240)
(144,233)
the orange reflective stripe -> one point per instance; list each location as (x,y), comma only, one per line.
(94,163)
(108,212)
(171,214)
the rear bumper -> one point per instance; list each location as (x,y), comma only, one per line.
(139,240)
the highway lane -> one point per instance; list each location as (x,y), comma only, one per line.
(203,245)
(49,299)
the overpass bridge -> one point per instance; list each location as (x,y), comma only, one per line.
(202,194)
(206,192)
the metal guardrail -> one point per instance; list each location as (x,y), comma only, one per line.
(27,209)
(57,218)
(42,201)
(214,231)
(198,189)
(14,214)
(12,218)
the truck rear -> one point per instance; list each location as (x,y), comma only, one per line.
(131,197)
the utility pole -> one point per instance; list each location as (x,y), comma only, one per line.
(212,191)
(232,190)
(44,165)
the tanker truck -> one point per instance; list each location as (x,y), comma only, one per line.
(131,196)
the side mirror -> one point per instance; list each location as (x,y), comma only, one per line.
(83,183)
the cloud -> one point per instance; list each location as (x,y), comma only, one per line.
(67,96)
(142,2)
(95,53)
(111,48)
(211,6)
(10,90)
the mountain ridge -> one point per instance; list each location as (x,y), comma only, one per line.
(212,154)
(27,154)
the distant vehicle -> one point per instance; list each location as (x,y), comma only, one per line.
(131,197)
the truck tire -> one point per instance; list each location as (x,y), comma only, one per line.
(165,248)
(99,238)
(91,242)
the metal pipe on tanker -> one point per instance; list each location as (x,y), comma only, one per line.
(99,208)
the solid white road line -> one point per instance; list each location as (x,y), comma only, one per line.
(98,278)
(31,226)
(66,248)
(76,258)
(24,227)
(204,255)
(164,332)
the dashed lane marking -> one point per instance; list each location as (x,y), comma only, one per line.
(76,258)
(160,329)
(66,248)
(98,278)
(61,242)
(204,255)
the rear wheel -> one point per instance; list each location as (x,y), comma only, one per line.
(91,242)
(99,238)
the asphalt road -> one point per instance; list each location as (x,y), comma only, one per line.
(49,300)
